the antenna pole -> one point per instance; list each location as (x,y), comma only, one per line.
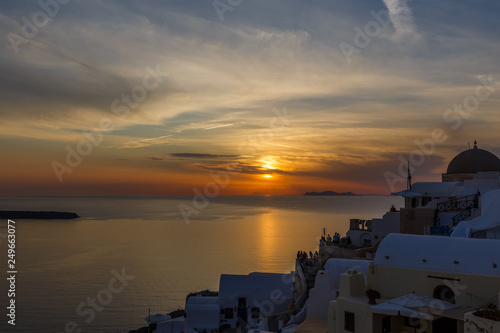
(408,182)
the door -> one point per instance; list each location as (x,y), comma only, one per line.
(242,312)
(444,325)
(386,324)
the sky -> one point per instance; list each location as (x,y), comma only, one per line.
(242,97)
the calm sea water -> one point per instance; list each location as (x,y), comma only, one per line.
(64,265)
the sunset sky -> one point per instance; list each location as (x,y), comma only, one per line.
(160,97)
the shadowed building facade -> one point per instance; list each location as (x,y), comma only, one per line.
(473,171)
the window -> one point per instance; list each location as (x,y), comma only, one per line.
(228,313)
(349,321)
(414,202)
(444,293)
(426,200)
(255,313)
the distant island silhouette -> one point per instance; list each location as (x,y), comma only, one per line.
(332,193)
(36,215)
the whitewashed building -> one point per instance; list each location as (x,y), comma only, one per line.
(243,300)
(425,283)
(436,208)
(250,299)
(202,314)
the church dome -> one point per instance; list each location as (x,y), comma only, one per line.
(473,161)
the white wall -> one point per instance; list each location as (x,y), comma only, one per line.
(175,325)
(389,223)
(493,233)
(202,313)
(321,295)
(357,236)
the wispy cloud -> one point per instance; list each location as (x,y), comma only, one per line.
(145,142)
(242,167)
(293,147)
(194,155)
(190,155)
(217,126)
(401,17)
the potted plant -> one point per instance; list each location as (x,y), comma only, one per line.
(373,295)
(486,319)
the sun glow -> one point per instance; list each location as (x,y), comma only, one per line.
(268,163)
(267,176)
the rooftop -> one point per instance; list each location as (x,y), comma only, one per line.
(445,254)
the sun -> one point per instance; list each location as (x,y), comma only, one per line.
(267,176)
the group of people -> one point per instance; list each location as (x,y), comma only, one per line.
(309,260)
(302,255)
(335,240)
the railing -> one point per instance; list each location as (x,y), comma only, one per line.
(470,201)
(462,215)
(465,204)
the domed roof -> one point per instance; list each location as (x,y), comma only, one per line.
(474,160)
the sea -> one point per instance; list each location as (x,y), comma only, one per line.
(126,257)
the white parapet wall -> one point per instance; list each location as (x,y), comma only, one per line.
(473,324)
